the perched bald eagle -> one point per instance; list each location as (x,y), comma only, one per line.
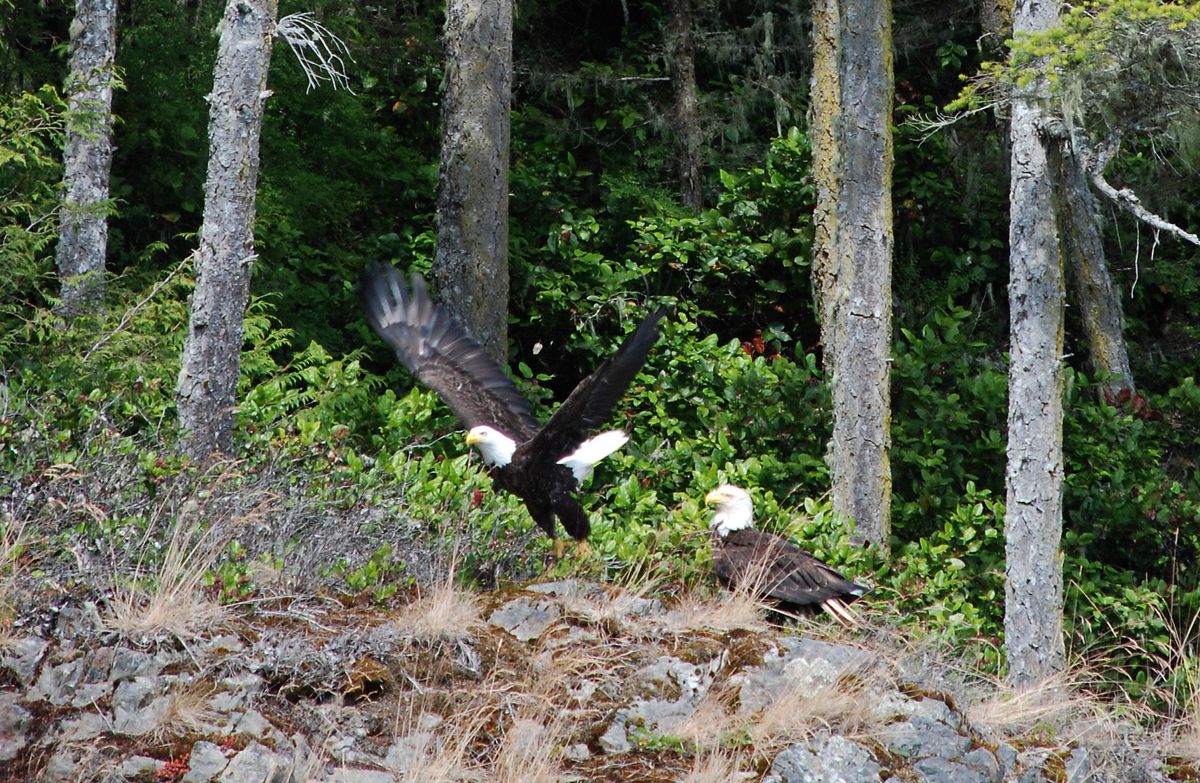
(542,465)
(771,567)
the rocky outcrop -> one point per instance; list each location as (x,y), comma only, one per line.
(589,682)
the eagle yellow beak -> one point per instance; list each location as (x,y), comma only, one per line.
(714,497)
(473,438)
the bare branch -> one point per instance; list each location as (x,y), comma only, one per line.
(318,50)
(1096,161)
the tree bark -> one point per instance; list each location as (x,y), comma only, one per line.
(1033,624)
(1092,291)
(852,161)
(212,351)
(87,158)
(470,265)
(681,48)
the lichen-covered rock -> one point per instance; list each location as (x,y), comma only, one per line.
(138,706)
(525,618)
(255,764)
(22,657)
(14,719)
(825,759)
(205,763)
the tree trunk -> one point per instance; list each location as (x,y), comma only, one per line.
(852,265)
(471,263)
(995,22)
(87,158)
(1092,291)
(212,352)
(1033,629)
(681,48)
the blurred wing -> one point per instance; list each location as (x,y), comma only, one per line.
(430,343)
(589,405)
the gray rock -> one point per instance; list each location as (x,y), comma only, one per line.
(235,693)
(1079,766)
(253,724)
(935,769)
(127,663)
(205,763)
(344,775)
(986,762)
(571,588)
(825,760)
(78,621)
(409,750)
(22,657)
(808,664)
(919,737)
(139,768)
(614,739)
(1029,765)
(1007,755)
(255,764)
(576,752)
(62,767)
(936,709)
(524,618)
(57,683)
(136,707)
(87,726)
(225,643)
(305,767)
(14,720)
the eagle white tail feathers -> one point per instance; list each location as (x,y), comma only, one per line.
(583,459)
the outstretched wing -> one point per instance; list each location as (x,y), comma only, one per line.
(430,343)
(589,405)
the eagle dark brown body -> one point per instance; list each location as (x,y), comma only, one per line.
(770,567)
(773,567)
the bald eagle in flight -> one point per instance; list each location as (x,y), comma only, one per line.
(543,465)
(771,567)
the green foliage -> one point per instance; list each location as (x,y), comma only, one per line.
(381,576)
(1112,64)
(948,416)
(31,133)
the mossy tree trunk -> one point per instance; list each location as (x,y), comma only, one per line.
(681,49)
(1093,294)
(1033,623)
(852,265)
(471,262)
(87,158)
(212,350)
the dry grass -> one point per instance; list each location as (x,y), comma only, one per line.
(441,755)
(709,723)
(717,767)
(736,611)
(170,601)
(529,750)
(14,540)
(188,713)
(444,613)
(849,707)
(173,604)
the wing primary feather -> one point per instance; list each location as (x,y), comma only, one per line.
(588,407)
(431,344)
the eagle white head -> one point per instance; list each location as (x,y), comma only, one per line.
(735,510)
(496,447)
